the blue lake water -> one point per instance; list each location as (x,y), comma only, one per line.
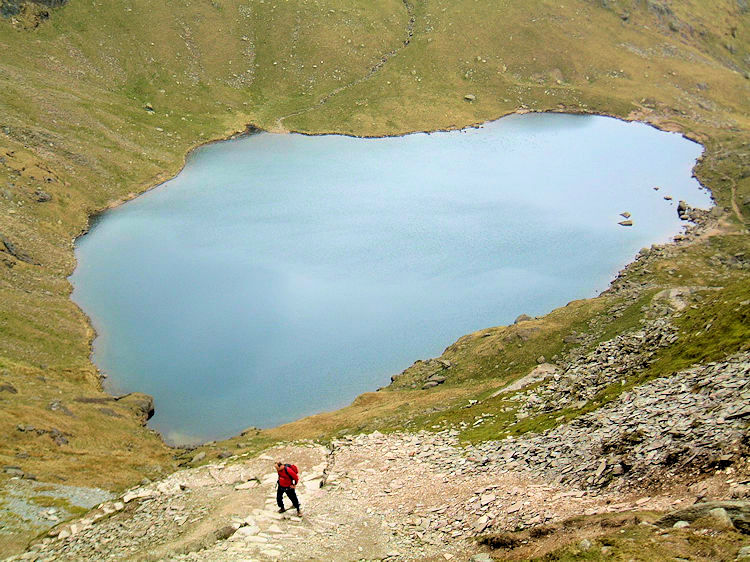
(281,275)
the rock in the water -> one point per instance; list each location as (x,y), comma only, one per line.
(625,215)
(626,223)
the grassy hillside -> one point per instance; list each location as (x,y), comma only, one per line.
(101,101)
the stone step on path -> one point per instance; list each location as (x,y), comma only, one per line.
(265,532)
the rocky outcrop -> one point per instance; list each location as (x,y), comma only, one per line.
(141,404)
(581,380)
(736,513)
(11,248)
(690,422)
(432,372)
(28,13)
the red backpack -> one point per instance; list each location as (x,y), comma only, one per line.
(295,470)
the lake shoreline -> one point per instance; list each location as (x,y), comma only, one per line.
(251,129)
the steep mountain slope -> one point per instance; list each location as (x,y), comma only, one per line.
(421,496)
(99,101)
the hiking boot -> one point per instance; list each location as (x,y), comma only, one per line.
(282,510)
(299,513)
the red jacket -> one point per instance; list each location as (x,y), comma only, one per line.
(288,475)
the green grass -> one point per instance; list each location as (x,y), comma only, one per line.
(629,535)
(638,542)
(60,503)
(719,326)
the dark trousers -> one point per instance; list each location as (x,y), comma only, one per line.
(289,492)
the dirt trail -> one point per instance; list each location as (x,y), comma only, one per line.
(279,126)
(399,497)
(735,206)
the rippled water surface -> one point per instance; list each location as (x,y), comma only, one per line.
(281,275)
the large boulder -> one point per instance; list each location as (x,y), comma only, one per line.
(141,404)
(538,373)
(738,512)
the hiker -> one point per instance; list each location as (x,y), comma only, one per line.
(288,478)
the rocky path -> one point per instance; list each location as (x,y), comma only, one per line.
(407,496)
(396,496)
(401,496)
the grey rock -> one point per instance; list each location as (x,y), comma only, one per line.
(733,512)
(470,97)
(199,457)
(94,399)
(721,515)
(7,387)
(42,196)
(14,251)
(109,412)
(58,406)
(141,404)
(58,437)
(681,525)
(741,413)
(13,471)
(522,318)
